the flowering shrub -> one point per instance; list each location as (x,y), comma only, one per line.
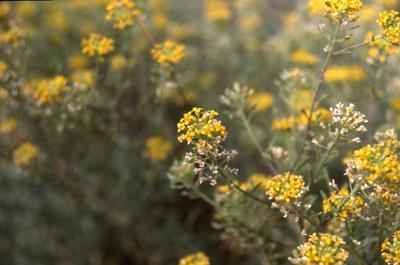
(277,119)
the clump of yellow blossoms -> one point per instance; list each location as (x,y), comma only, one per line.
(168,53)
(199,126)
(3,68)
(97,44)
(198,258)
(303,57)
(24,154)
(391,249)
(157,148)
(390,22)
(7,126)
(321,249)
(122,13)
(285,188)
(336,9)
(50,90)
(300,121)
(218,10)
(377,167)
(343,205)
(260,101)
(338,74)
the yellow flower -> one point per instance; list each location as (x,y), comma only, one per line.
(117,62)
(391,249)
(14,36)
(83,77)
(168,53)
(7,126)
(50,90)
(157,148)
(250,22)
(218,10)
(122,13)
(343,205)
(285,188)
(198,258)
(303,57)
(338,74)
(97,44)
(25,9)
(390,22)
(389,3)
(336,9)
(77,61)
(300,121)
(24,154)
(321,249)
(3,68)
(199,125)
(260,101)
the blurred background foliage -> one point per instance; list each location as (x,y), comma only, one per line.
(98,191)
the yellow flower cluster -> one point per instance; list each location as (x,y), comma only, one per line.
(379,161)
(390,22)
(378,166)
(83,77)
(157,148)
(336,9)
(7,126)
(122,13)
(391,249)
(97,44)
(379,49)
(260,101)
(255,180)
(285,188)
(303,57)
(218,10)
(168,53)
(199,125)
(24,154)
(343,205)
(3,68)
(198,258)
(300,121)
(321,249)
(339,74)
(50,90)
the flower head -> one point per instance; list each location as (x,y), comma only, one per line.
(285,188)
(303,57)
(336,9)
(218,10)
(24,154)
(7,126)
(157,148)
(321,249)
(200,126)
(390,23)
(339,74)
(198,258)
(260,101)
(343,205)
(97,44)
(122,13)
(50,90)
(168,53)
(391,249)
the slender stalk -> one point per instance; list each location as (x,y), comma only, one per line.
(255,141)
(358,45)
(248,194)
(324,160)
(320,82)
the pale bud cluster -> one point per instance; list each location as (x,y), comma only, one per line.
(345,122)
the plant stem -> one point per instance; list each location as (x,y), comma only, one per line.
(255,141)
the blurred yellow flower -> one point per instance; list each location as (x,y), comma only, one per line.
(117,62)
(303,57)
(77,61)
(218,10)
(122,13)
(49,90)
(7,126)
(157,148)
(198,258)
(3,68)
(24,154)
(260,101)
(97,44)
(168,53)
(349,73)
